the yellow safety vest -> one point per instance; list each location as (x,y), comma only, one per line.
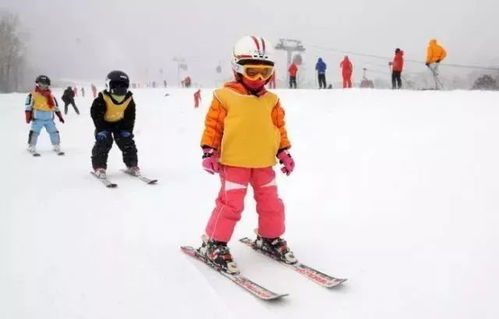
(250,138)
(40,102)
(115,112)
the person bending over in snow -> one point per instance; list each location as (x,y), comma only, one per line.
(40,108)
(244,133)
(113,113)
(68,97)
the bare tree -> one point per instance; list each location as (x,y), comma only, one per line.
(11,53)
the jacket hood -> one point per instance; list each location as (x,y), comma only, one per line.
(433,42)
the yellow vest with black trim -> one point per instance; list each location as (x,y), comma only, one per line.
(250,138)
(115,112)
(40,102)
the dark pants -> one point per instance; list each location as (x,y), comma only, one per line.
(396,80)
(125,144)
(66,103)
(292,82)
(322,81)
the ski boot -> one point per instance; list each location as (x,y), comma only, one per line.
(217,253)
(133,170)
(57,149)
(276,248)
(32,150)
(100,173)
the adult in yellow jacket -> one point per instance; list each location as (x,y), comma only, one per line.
(435,54)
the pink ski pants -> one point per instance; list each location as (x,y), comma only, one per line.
(230,202)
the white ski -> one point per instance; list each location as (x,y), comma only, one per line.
(105,181)
(243,282)
(316,276)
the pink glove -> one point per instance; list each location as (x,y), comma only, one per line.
(288,164)
(210,160)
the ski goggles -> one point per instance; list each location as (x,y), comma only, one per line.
(257,71)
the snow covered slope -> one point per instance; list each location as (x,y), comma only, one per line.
(396,190)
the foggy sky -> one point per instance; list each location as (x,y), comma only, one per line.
(85,39)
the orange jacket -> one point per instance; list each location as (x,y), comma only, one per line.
(293,69)
(216,116)
(435,52)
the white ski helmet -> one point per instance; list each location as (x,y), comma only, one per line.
(251,48)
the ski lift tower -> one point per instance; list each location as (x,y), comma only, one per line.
(180,66)
(290,46)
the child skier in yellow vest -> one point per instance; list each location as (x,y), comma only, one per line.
(244,133)
(113,113)
(40,108)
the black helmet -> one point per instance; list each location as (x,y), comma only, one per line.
(42,79)
(117,82)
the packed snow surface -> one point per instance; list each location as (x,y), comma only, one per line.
(395,190)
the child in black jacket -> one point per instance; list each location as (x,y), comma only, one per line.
(113,113)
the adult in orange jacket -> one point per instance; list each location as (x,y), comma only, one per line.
(397,67)
(244,133)
(435,54)
(293,70)
(346,71)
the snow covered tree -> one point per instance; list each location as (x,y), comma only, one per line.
(485,82)
(11,52)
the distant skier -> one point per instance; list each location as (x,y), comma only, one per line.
(94,91)
(186,82)
(68,98)
(397,66)
(75,89)
(197,98)
(40,108)
(113,113)
(82,91)
(244,133)
(346,71)
(435,54)
(321,67)
(293,70)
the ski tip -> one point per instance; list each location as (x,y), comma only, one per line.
(276,298)
(112,185)
(152,182)
(336,282)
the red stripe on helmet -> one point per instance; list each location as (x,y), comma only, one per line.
(256,43)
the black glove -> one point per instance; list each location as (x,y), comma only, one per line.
(438,61)
(427,64)
(59,115)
